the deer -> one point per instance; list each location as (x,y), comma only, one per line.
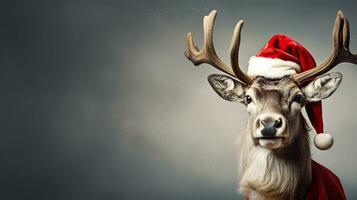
(274,153)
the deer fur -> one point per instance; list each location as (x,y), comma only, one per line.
(283,173)
(275,174)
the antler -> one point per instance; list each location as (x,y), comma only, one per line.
(208,54)
(340,51)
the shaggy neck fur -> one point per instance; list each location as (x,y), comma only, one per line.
(276,174)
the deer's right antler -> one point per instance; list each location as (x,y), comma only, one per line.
(340,51)
(208,54)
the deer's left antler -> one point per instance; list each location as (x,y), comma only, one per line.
(340,50)
(208,54)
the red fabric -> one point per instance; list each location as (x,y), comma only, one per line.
(325,184)
(285,48)
(314,111)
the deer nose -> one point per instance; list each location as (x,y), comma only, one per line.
(270,126)
(272,123)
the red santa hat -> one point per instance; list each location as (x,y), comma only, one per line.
(283,56)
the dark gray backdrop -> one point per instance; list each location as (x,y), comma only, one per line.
(99,102)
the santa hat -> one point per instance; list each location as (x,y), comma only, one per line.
(282,56)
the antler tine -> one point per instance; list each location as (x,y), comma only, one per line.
(208,54)
(340,51)
(234,54)
(349,57)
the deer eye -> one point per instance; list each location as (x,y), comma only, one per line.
(298,98)
(248,99)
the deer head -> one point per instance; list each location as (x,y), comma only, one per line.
(274,105)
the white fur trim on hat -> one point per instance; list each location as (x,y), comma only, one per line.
(323,141)
(271,67)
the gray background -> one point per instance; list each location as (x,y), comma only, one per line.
(98,101)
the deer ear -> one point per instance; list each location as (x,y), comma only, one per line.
(227,87)
(323,86)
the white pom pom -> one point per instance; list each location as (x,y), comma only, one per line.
(323,141)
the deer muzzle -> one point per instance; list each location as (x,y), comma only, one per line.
(270,130)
